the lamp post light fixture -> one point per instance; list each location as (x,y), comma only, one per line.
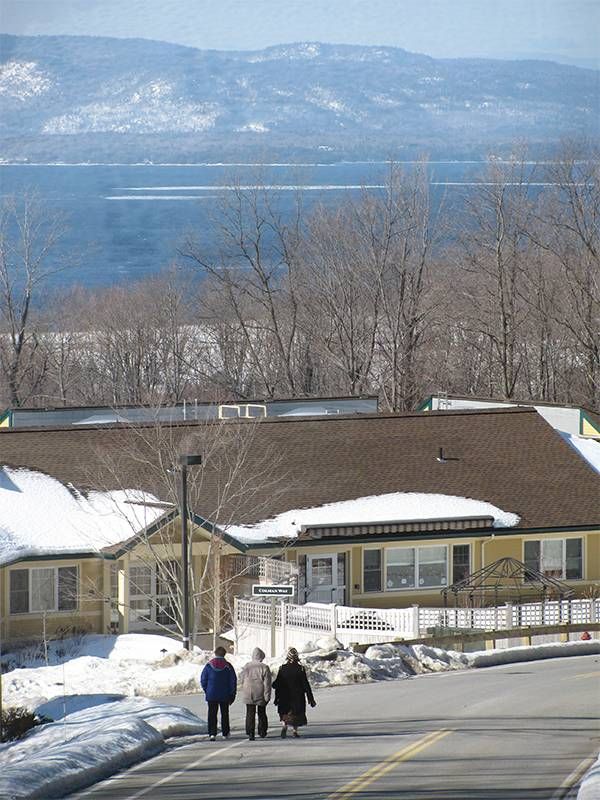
(185,461)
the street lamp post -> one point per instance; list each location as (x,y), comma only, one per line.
(185,462)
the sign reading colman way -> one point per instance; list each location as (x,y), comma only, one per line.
(273,590)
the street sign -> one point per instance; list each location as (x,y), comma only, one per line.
(272,590)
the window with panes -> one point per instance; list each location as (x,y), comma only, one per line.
(405,568)
(41,589)
(461,562)
(555,558)
(372,570)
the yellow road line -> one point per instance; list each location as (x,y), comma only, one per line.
(585,675)
(390,763)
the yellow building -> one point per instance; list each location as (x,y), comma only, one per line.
(381,510)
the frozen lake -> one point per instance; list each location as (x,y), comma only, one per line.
(126,221)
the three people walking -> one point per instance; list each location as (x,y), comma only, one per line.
(255,683)
(292,690)
(219,682)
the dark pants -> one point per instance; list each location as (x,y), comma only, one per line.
(213,707)
(263,723)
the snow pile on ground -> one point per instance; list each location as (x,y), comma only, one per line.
(330,666)
(71,522)
(125,647)
(153,666)
(393,507)
(131,664)
(88,745)
(513,655)
(590,785)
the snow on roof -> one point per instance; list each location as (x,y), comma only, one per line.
(40,516)
(589,449)
(396,506)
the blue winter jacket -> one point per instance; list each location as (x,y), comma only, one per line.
(219,681)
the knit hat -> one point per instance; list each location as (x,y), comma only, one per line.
(292,656)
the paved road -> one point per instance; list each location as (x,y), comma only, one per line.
(505,733)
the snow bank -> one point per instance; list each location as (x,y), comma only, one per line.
(130,665)
(135,665)
(513,655)
(71,522)
(89,745)
(590,785)
(334,667)
(393,507)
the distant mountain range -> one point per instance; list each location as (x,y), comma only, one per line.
(69,98)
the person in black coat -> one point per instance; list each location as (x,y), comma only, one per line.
(292,689)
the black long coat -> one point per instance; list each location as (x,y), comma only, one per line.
(291,692)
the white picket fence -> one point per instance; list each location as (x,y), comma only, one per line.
(551,612)
(274,626)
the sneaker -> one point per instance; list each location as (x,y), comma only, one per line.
(251,738)
(295,734)
(283,732)
(226,735)
(212,738)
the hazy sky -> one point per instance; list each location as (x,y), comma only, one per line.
(568,30)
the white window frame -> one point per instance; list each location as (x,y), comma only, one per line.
(563,541)
(416,587)
(55,609)
(154,599)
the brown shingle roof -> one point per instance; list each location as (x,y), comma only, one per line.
(509,457)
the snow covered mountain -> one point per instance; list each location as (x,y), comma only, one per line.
(133,99)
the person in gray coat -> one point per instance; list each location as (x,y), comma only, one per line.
(255,685)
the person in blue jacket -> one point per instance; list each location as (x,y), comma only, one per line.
(219,683)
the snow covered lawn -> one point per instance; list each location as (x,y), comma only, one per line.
(154,666)
(131,664)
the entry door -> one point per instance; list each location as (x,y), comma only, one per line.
(322,579)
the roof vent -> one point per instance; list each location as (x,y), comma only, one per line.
(443,458)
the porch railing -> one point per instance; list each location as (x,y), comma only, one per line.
(260,569)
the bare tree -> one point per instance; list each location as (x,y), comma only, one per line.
(256,277)
(232,482)
(404,236)
(29,239)
(571,233)
(341,298)
(494,256)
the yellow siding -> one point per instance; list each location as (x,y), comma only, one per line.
(592,553)
(588,428)
(88,617)
(484,551)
